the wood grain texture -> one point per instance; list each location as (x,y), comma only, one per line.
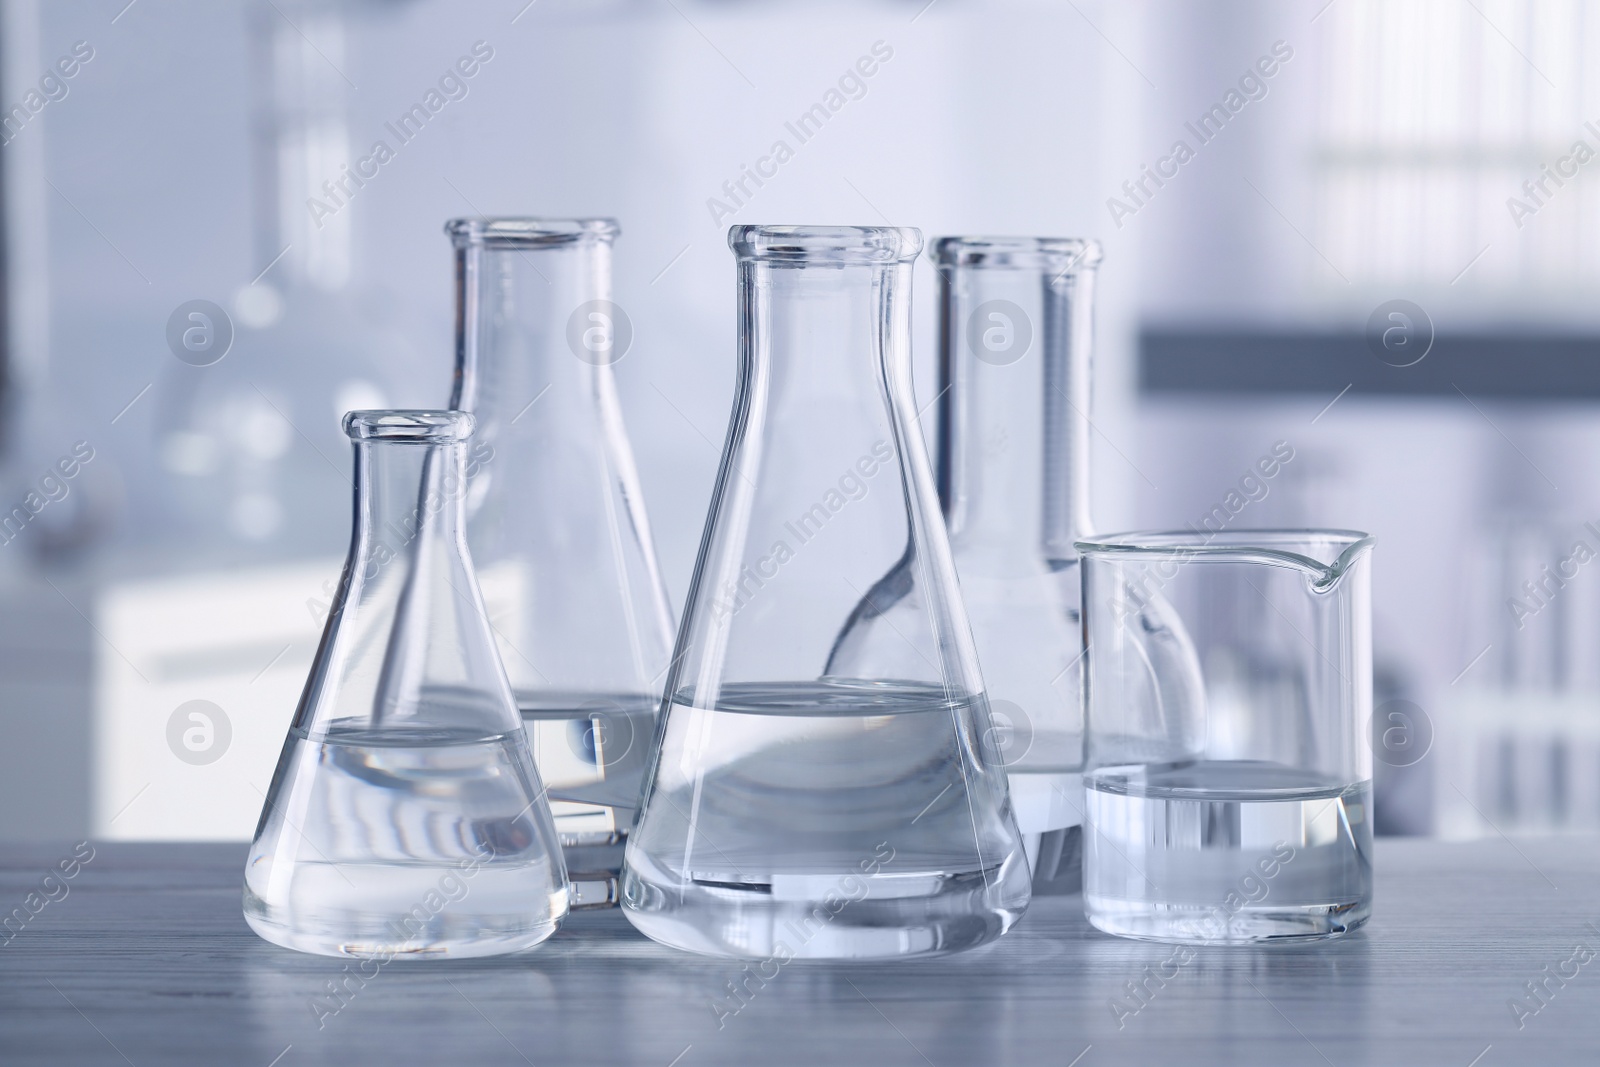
(147,961)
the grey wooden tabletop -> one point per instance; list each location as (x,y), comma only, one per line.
(141,957)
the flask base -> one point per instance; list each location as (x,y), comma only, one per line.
(1199,925)
(828,917)
(393,912)
(376,938)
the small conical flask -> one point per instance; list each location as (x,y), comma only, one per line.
(1015,333)
(406,816)
(825,785)
(556,519)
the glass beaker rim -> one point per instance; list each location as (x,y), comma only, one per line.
(528,232)
(1299,548)
(1054,253)
(402,424)
(826,244)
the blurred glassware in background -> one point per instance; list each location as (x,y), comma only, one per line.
(224,465)
(825,791)
(1247,818)
(246,418)
(1015,335)
(556,519)
(218,125)
(406,816)
(1522,750)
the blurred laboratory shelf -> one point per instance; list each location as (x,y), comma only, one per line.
(146,959)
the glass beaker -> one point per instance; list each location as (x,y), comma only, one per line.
(405,817)
(1015,333)
(826,783)
(556,520)
(1246,817)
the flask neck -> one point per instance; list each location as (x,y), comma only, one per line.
(825,341)
(1015,345)
(408,494)
(533,318)
(408,642)
(557,526)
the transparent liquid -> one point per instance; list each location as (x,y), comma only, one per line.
(407,843)
(1225,851)
(823,820)
(591,751)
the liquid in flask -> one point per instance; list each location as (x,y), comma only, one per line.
(406,817)
(827,784)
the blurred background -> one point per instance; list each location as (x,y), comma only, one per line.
(1375,245)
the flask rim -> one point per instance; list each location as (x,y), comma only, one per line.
(825,244)
(1046,253)
(512,231)
(1304,548)
(423,426)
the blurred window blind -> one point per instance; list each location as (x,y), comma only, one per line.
(1434,113)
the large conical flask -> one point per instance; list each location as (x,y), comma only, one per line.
(556,519)
(406,817)
(1015,336)
(825,784)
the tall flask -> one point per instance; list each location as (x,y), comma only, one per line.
(826,784)
(406,817)
(556,519)
(1015,335)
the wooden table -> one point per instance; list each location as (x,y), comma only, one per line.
(146,961)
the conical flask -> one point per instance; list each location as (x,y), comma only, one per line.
(405,816)
(825,785)
(556,519)
(1015,332)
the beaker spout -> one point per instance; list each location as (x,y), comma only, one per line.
(1323,556)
